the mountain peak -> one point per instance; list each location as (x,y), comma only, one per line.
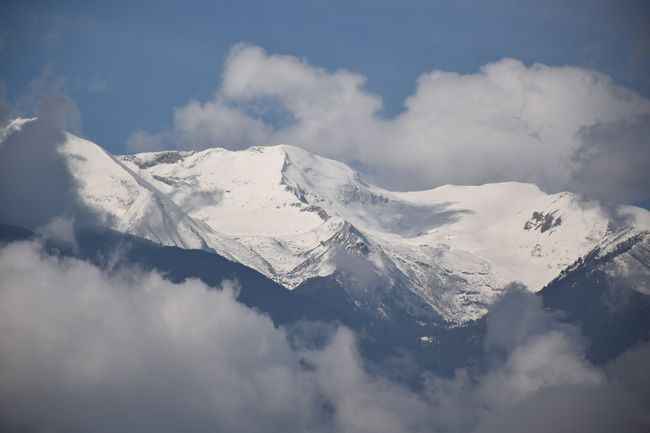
(454,247)
(444,253)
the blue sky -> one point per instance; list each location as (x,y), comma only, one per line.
(128,65)
(146,57)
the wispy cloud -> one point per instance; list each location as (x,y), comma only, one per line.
(35,183)
(638,61)
(613,160)
(141,141)
(101,83)
(56,25)
(52,38)
(46,82)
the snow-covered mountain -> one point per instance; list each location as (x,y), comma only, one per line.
(450,250)
(441,254)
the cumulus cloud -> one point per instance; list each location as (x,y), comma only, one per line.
(506,122)
(86,351)
(526,311)
(509,121)
(323,112)
(539,352)
(35,184)
(89,350)
(141,141)
(216,124)
(613,160)
(539,380)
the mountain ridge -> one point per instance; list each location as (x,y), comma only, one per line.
(348,206)
(443,254)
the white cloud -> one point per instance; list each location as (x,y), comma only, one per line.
(101,83)
(141,141)
(364,403)
(46,82)
(35,184)
(85,351)
(60,231)
(88,350)
(216,124)
(320,111)
(506,122)
(613,160)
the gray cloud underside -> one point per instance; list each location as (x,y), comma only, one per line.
(35,184)
(87,350)
(37,190)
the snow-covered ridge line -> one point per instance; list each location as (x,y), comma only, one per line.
(444,253)
(454,247)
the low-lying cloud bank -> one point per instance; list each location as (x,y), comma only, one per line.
(552,126)
(83,349)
